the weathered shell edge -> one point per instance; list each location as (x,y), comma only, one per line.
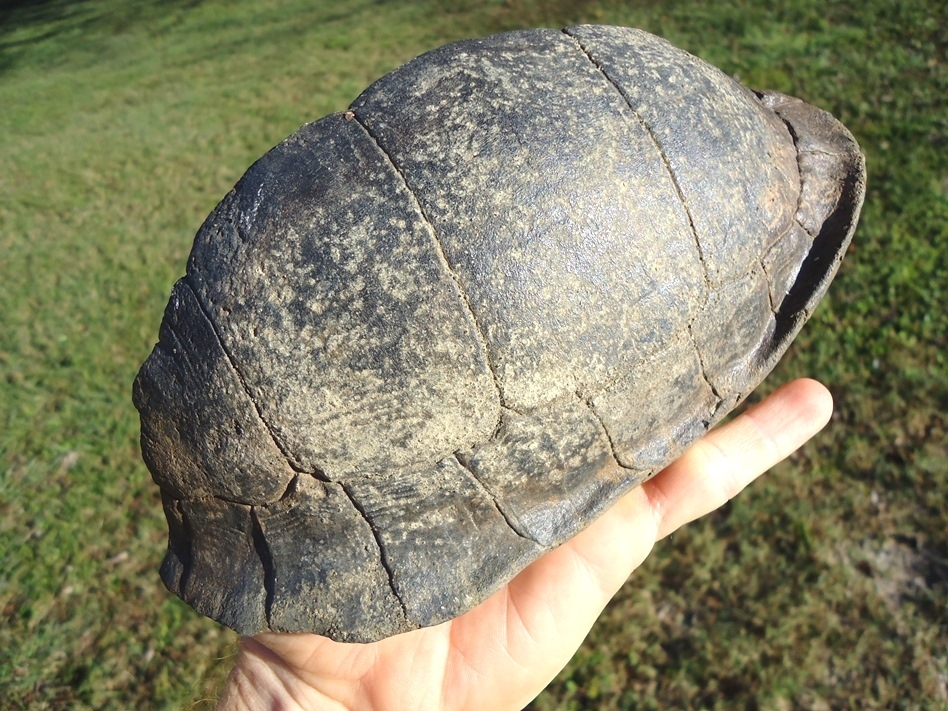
(809,127)
(818,133)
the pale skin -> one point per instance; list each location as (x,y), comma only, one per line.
(501,654)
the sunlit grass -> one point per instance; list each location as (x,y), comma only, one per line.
(123,123)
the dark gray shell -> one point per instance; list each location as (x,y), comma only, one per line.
(426,340)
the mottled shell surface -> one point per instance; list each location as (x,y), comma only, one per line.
(426,340)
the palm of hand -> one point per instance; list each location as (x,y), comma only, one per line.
(502,653)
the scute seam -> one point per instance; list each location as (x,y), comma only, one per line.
(661,152)
(511,523)
(292,487)
(760,261)
(815,151)
(587,402)
(262,548)
(189,536)
(383,557)
(704,373)
(294,465)
(485,344)
(796,153)
(770,296)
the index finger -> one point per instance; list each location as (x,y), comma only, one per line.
(717,467)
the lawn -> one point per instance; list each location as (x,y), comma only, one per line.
(123,123)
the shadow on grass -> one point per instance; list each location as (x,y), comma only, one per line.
(24,23)
(15,14)
(21,14)
(47,32)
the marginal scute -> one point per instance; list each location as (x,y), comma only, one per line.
(782,261)
(824,153)
(548,469)
(831,197)
(221,547)
(663,404)
(327,568)
(422,342)
(732,333)
(177,560)
(201,434)
(427,521)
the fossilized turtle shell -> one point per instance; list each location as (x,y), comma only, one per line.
(423,341)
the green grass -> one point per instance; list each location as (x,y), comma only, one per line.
(123,123)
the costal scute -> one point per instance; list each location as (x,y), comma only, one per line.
(423,341)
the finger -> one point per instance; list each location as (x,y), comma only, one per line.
(717,467)
(711,472)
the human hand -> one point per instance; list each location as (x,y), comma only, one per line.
(502,653)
